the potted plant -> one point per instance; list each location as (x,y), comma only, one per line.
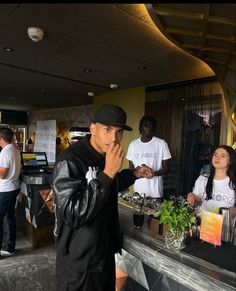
(179,218)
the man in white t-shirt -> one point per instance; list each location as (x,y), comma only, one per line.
(154,153)
(10,167)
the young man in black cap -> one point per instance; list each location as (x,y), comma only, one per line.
(86,181)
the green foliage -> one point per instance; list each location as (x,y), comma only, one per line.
(176,214)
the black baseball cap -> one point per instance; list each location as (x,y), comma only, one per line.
(110,114)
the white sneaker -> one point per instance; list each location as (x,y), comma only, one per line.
(5,254)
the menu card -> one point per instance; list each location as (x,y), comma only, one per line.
(211,227)
(45,140)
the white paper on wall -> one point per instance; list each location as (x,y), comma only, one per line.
(45,139)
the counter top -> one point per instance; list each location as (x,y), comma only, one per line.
(186,269)
(39,178)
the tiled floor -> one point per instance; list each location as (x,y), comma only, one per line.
(29,269)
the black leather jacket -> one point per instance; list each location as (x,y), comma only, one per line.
(87,222)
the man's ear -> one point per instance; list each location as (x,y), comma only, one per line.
(92,128)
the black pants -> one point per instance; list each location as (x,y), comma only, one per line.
(7,210)
(89,281)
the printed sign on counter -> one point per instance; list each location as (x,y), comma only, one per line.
(211,227)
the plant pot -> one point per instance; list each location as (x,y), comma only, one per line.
(156,228)
(174,238)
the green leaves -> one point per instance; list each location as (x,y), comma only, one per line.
(176,214)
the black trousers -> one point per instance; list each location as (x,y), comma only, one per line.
(88,281)
(7,210)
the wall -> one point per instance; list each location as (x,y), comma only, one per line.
(66,118)
(133,102)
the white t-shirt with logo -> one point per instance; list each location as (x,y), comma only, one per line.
(222,194)
(10,158)
(151,154)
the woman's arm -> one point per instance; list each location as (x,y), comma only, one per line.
(193,199)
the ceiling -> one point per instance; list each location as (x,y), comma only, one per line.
(119,44)
(207,31)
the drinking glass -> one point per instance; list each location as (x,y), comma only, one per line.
(138,218)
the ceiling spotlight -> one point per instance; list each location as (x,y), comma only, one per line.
(8,49)
(142,68)
(91,94)
(87,70)
(113,86)
(35,34)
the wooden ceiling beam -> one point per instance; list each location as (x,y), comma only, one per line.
(173,12)
(231,90)
(221,37)
(183,31)
(231,67)
(167,11)
(192,46)
(227,60)
(191,32)
(214,61)
(222,20)
(207,48)
(216,49)
(204,25)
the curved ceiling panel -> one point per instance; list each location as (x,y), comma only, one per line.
(207,31)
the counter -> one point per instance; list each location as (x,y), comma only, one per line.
(187,271)
(38,207)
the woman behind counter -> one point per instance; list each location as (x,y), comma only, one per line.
(218,188)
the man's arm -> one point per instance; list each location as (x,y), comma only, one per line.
(131,165)
(3,172)
(164,170)
(77,202)
(127,177)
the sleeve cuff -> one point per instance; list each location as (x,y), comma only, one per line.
(104,180)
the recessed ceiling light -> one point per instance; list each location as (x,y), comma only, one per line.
(8,49)
(91,94)
(13,98)
(113,86)
(43,91)
(142,68)
(87,70)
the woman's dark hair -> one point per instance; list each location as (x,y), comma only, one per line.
(146,120)
(6,134)
(231,171)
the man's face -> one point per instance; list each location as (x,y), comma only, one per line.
(102,136)
(147,129)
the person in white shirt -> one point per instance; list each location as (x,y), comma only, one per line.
(10,167)
(150,151)
(218,188)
